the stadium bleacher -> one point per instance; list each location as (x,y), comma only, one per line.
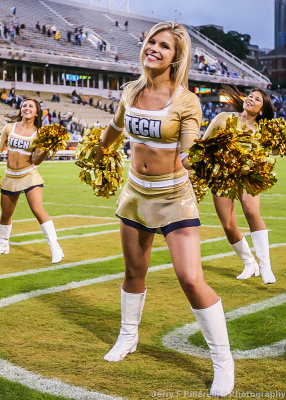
(100,23)
(99,26)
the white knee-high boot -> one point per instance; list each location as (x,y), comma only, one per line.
(213,326)
(261,245)
(251,268)
(5,232)
(131,311)
(49,231)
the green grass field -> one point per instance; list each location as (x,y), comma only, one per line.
(58,321)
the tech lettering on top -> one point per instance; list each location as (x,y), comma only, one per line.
(19,143)
(143,126)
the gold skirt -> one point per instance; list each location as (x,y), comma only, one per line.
(21,179)
(157,206)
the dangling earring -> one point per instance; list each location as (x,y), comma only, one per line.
(260,113)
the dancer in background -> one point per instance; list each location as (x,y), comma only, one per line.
(22,176)
(163,118)
(249,110)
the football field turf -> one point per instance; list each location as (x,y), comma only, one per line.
(58,320)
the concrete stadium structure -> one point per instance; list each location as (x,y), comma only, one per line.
(33,61)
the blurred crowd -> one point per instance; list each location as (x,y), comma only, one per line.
(210,66)
(76,125)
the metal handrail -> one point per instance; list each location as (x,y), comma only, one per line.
(234,59)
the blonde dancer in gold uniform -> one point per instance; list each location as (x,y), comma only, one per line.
(162,119)
(21,175)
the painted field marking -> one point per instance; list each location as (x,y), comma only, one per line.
(103,259)
(178,339)
(86,262)
(47,385)
(67,216)
(101,233)
(273,195)
(79,205)
(55,386)
(65,237)
(95,233)
(220,226)
(73,228)
(96,260)
(240,215)
(116,221)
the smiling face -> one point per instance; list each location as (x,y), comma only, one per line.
(253,103)
(159,51)
(29,109)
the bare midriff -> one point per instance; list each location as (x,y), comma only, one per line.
(18,160)
(153,161)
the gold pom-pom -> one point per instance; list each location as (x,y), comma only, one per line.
(273,135)
(231,159)
(200,185)
(52,138)
(106,176)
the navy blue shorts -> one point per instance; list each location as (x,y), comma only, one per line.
(3,191)
(164,230)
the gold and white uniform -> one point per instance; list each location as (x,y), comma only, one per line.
(19,180)
(166,202)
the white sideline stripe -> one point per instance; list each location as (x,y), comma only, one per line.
(78,205)
(178,339)
(64,237)
(243,216)
(93,226)
(73,228)
(104,278)
(103,259)
(273,195)
(219,238)
(69,265)
(90,234)
(220,226)
(55,386)
(48,385)
(67,216)
(116,221)
(73,285)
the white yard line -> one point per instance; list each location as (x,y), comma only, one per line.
(55,386)
(65,237)
(220,226)
(103,259)
(79,205)
(66,216)
(47,385)
(241,215)
(70,265)
(93,233)
(67,229)
(179,338)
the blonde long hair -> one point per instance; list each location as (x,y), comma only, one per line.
(179,67)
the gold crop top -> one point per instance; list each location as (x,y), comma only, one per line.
(15,142)
(177,123)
